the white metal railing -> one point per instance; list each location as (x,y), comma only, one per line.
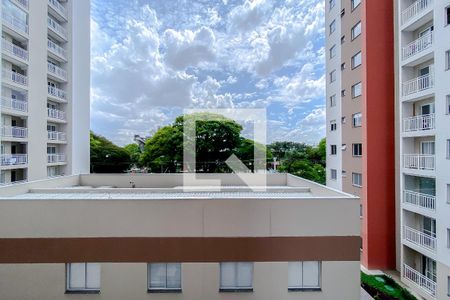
(14,132)
(58,7)
(56,136)
(55,48)
(418,84)
(420,200)
(56,158)
(425,283)
(418,123)
(14,22)
(14,104)
(421,44)
(419,238)
(15,77)
(419,161)
(55,26)
(54,91)
(13,159)
(415,9)
(3,183)
(24,3)
(14,49)
(55,70)
(56,114)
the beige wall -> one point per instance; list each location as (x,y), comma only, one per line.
(200,281)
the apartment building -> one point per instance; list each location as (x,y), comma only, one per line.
(423,72)
(360,118)
(45,84)
(153,236)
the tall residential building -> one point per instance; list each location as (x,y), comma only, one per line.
(423,72)
(45,86)
(360,118)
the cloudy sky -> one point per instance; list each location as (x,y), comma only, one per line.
(153,58)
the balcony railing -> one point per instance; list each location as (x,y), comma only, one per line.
(419,161)
(14,132)
(418,84)
(55,26)
(15,23)
(56,158)
(419,238)
(56,49)
(58,7)
(55,92)
(24,3)
(57,71)
(14,50)
(14,104)
(415,9)
(14,77)
(56,114)
(421,44)
(13,159)
(56,136)
(419,123)
(420,200)
(423,282)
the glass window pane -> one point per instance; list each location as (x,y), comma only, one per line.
(93,276)
(310,274)
(227,275)
(77,276)
(174,276)
(295,274)
(245,274)
(157,275)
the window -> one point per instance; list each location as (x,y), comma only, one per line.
(333,149)
(447,60)
(357,120)
(332,3)
(357,90)
(357,149)
(164,277)
(333,101)
(448,286)
(304,276)
(356,60)
(333,51)
(333,125)
(333,76)
(448,238)
(356,30)
(447,108)
(448,149)
(357,179)
(236,276)
(355,3)
(332,26)
(83,277)
(333,174)
(448,193)
(447,15)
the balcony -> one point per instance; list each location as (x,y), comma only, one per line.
(54,26)
(13,159)
(56,158)
(419,123)
(418,46)
(415,10)
(14,104)
(56,114)
(14,132)
(58,7)
(421,281)
(419,200)
(15,23)
(14,77)
(56,136)
(14,50)
(417,85)
(419,161)
(57,50)
(23,3)
(57,93)
(419,238)
(57,71)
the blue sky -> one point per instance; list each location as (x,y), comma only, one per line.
(153,58)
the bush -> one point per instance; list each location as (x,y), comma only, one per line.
(384,288)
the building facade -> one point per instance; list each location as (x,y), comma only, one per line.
(170,238)
(45,54)
(423,71)
(360,118)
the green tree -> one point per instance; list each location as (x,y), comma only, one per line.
(107,157)
(135,153)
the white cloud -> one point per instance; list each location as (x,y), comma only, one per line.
(248,16)
(206,95)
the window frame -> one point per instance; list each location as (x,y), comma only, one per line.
(236,289)
(333,100)
(333,51)
(359,24)
(333,128)
(332,4)
(303,288)
(355,6)
(332,76)
(85,290)
(357,116)
(447,60)
(332,27)
(333,171)
(447,16)
(354,89)
(164,289)
(448,149)
(354,66)
(333,147)
(357,146)
(354,183)
(447,103)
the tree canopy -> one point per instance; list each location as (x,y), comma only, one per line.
(107,157)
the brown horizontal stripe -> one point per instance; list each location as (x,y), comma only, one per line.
(207,249)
